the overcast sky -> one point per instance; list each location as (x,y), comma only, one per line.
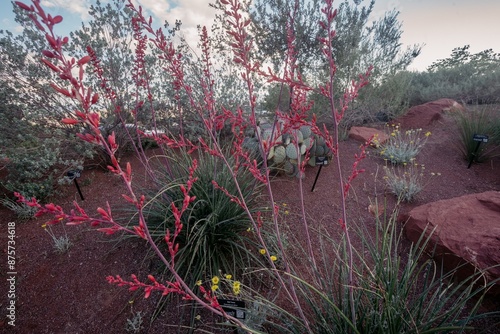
(439,24)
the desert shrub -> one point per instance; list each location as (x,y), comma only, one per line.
(406,181)
(32,166)
(464,77)
(402,146)
(481,122)
(214,236)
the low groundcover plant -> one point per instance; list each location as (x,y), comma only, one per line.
(357,294)
(402,146)
(407,180)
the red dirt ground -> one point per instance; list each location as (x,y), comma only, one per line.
(68,293)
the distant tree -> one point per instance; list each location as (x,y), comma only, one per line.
(271,21)
(358,44)
(463,76)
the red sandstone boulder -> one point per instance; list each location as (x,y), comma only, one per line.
(364,134)
(466,228)
(425,114)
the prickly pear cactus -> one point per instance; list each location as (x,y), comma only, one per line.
(306,131)
(279,154)
(291,151)
(289,148)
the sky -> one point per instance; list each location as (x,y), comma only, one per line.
(438,25)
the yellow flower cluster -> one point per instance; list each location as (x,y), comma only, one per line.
(263,252)
(216,283)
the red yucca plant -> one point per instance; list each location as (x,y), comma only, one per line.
(72,85)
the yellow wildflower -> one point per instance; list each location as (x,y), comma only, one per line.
(214,287)
(236,287)
(44,226)
(262,251)
(228,276)
(215,280)
(273,258)
(428,133)
(198,282)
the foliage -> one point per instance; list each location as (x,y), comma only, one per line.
(21,210)
(396,293)
(380,101)
(465,77)
(61,243)
(478,122)
(38,150)
(272,24)
(406,181)
(214,235)
(358,44)
(207,203)
(401,147)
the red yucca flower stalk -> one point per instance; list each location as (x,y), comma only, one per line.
(87,100)
(241,45)
(328,91)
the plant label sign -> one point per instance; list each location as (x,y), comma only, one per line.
(73,174)
(321,161)
(234,308)
(480,138)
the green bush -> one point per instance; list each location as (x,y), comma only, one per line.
(464,77)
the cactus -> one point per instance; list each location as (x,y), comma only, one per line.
(288,168)
(279,154)
(270,155)
(302,149)
(266,134)
(320,150)
(298,134)
(291,151)
(306,131)
(288,148)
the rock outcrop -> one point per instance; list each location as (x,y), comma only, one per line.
(364,134)
(423,115)
(466,228)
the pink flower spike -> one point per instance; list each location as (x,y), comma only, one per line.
(24,6)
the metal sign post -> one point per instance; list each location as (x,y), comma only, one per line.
(73,175)
(479,139)
(320,161)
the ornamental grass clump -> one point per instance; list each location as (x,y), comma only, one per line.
(214,235)
(397,290)
(402,146)
(478,122)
